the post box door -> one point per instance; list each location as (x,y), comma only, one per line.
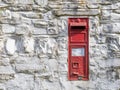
(78,49)
(78,62)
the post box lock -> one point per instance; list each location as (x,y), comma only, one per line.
(78,49)
(75,65)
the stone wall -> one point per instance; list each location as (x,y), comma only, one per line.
(33,44)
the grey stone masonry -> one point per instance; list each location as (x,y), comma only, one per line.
(34,44)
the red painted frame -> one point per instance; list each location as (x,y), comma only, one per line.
(77,44)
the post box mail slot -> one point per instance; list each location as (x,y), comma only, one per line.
(78,27)
(78,49)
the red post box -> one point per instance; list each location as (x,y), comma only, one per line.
(78,49)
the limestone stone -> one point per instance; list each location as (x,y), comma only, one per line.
(24,2)
(28,68)
(29,44)
(76,12)
(10,46)
(20,82)
(9,1)
(8,28)
(15,18)
(117,11)
(6,73)
(4,62)
(21,8)
(62,43)
(111,28)
(54,5)
(32,15)
(41,2)
(115,16)
(6,14)
(39,9)
(113,43)
(52,30)
(92,6)
(1,45)
(48,15)
(40,23)
(106,14)
(23,29)
(62,27)
(40,31)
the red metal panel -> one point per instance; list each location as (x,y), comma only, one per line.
(78,49)
(78,37)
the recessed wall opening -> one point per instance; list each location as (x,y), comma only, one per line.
(78,27)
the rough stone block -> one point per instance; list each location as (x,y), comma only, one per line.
(111,28)
(62,27)
(23,30)
(21,8)
(41,31)
(21,82)
(15,18)
(52,30)
(10,46)
(115,16)
(40,23)
(29,44)
(28,68)
(32,15)
(93,5)
(1,45)
(8,28)
(6,73)
(24,2)
(9,1)
(79,12)
(62,43)
(4,62)
(41,2)
(106,14)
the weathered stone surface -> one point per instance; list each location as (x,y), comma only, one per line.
(8,28)
(52,30)
(106,14)
(4,62)
(93,6)
(20,8)
(21,82)
(40,23)
(117,11)
(10,46)
(24,1)
(28,68)
(41,2)
(115,16)
(5,14)
(6,73)
(32,15)
(29,44)
(81,12)
(34,44)
(23,30)
(1,45)
(40,31)
(111,28)
(9,1)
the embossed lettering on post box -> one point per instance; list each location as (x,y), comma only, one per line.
(78,49)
